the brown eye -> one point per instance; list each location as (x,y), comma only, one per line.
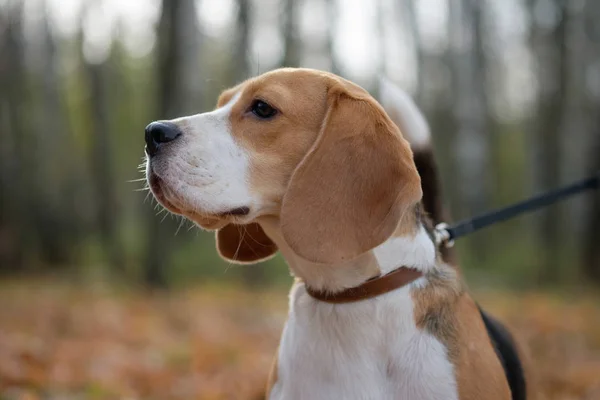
(262,110)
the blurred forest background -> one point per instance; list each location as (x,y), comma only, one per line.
(511,89)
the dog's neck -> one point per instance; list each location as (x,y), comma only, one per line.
(376,348)
(410,246)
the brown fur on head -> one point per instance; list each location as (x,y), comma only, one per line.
(330,165)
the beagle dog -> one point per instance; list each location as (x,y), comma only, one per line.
(309,164)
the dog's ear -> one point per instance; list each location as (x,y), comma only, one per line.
(227,95)
(244,244)
(353,187)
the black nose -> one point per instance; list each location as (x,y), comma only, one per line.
(158,133)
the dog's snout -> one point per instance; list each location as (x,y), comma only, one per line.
(159,133)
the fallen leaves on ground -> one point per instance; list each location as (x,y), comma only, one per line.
(67,343)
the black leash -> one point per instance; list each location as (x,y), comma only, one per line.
(446,234)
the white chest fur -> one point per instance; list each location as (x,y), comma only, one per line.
(366,350)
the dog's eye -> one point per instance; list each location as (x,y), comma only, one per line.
(262,109)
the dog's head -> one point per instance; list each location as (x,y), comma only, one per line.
(307,147)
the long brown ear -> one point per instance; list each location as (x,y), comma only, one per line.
(244,244)
(353,187)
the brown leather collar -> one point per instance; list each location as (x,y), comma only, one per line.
(371,288)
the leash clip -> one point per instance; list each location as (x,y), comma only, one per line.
(442,235)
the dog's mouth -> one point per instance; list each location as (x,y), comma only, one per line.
(156,186)
(206,221)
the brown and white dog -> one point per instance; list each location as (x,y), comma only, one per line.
(307,163)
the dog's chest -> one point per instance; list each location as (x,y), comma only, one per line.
(366,350)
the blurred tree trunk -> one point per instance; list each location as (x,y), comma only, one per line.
(471,107)
(332,17)
(591,234)
(413,27)
(591,237)
(291,55)
(178,56)
(439,103)
(381,45)
(16,225)
(578,125)
(550,47)
(6,247)
(9,257)
(100,152)
(241,60)
(471,110)
(32,137)
(102,157)
(53,169)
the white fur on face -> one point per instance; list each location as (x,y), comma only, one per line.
(205,170)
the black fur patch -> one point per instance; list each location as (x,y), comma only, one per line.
(432,194)
(505,348)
